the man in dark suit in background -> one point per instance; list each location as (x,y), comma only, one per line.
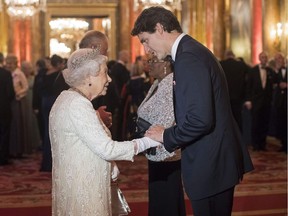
(236,75)
(119,72)
(7,94)
(281,100)
(260,87)
(214,159)
(120,76)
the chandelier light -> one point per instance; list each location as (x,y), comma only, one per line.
(68,24)
(68,28)
(278,33)
(170,4)
(66,33)
(278,30)
(23,8)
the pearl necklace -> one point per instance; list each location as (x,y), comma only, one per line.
(80,92)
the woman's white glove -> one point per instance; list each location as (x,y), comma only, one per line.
(114,171)
(145,143)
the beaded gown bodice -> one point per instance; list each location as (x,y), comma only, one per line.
(157,108)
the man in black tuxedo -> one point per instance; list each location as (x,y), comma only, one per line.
(236,75)
(214,159)
(260,87)
(7,94)
(119,72)
(281,100)
(120,76)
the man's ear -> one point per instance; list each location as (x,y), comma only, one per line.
(159,28)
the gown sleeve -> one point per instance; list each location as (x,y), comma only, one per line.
(91,130)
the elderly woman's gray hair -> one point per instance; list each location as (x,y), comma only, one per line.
(81,64)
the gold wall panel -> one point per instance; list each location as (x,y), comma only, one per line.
(82,1)
(4,33)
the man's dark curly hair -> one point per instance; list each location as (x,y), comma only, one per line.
(149,17)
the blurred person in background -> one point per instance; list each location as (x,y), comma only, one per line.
(236,73)
(135,91)
(260,88)
(280,102)
(41,68)
(7,95)
(120,75)
(50,90)
(19,136)
(32,126)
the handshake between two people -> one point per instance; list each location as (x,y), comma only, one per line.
(153,138)
(142,144)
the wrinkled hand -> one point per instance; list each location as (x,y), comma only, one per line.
(155,133)
(105,116)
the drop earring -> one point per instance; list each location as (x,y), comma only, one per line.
(165,70)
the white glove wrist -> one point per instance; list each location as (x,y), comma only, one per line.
(114,171)
(145,143)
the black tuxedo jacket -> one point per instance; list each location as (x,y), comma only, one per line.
(236,76)
(120,76)
(213,156)
(260,96)
(281,94)
(6,93)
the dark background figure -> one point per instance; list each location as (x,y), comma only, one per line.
(272,132)
(135,91)
(32,124)
(281,101)
(50,91)
(111,101)
(41,69)
(261,79)
(120,76)
(236,76)
(119,72)
(20,133)
(7,94)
